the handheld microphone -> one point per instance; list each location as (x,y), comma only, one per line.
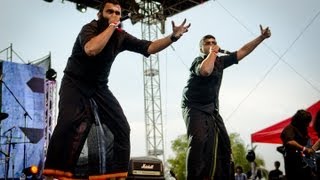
(125,17)
(224,51)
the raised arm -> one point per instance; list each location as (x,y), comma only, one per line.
(162,43)
(110,18)
(250,46)
(96,44)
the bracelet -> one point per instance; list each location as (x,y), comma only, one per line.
(173,38)
(303,149)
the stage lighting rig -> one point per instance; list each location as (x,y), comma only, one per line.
(31,171)
(251,156)
(51,74)
(81,7)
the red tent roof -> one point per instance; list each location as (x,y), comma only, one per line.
(272,133)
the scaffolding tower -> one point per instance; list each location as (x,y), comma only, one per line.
(150,25)
(50,111)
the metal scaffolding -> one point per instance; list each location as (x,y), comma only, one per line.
(50,111)
(152,93)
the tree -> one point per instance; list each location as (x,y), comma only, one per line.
(178,164)
(239,150)
(239,153)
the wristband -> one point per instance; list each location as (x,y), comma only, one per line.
(303,149)
(173,38)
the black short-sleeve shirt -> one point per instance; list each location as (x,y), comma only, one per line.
(290,133)
(202,90)
(92,72)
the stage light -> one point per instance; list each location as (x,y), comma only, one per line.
(51,74)
(81,7)
(251,156)
(31,171)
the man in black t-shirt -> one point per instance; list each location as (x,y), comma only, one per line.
(89,115)
(276,174)
(209,150)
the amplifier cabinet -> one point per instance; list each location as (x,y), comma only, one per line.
(145,168)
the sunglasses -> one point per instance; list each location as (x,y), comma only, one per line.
(111,11)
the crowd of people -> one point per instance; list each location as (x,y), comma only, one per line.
(255,173)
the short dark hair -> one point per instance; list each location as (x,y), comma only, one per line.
(116,2)
(208,36)
(240,168)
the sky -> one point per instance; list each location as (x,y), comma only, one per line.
(279,77)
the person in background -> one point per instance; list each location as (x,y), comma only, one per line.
(295,139)
(239,175)
(89,114)
(276,174)
(209,149)
(255,172)
(316,127)
(316,146)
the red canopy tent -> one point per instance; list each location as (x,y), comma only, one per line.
(272,133)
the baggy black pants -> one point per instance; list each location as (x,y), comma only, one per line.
(77,115)
(209,149)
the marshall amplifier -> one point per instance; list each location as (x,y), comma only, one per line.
(145,168)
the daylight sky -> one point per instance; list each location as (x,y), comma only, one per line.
(281,76)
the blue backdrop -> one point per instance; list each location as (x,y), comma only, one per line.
(26,121)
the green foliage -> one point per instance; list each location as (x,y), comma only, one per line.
(239,153)
(178,164)
(180,147)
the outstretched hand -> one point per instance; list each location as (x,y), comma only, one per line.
(178,31)
(265,33)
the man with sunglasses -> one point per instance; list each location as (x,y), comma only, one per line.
(209,150)
(91,120)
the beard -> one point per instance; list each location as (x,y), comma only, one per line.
(103,23)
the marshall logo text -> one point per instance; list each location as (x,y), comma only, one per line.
(146,166)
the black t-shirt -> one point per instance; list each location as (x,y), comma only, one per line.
(202,90)
(292,133)
(90,73)
(275,174)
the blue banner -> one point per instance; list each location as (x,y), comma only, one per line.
(22,132)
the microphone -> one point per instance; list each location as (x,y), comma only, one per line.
(9,130)
(127,16)
(122,18)
(224,51)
